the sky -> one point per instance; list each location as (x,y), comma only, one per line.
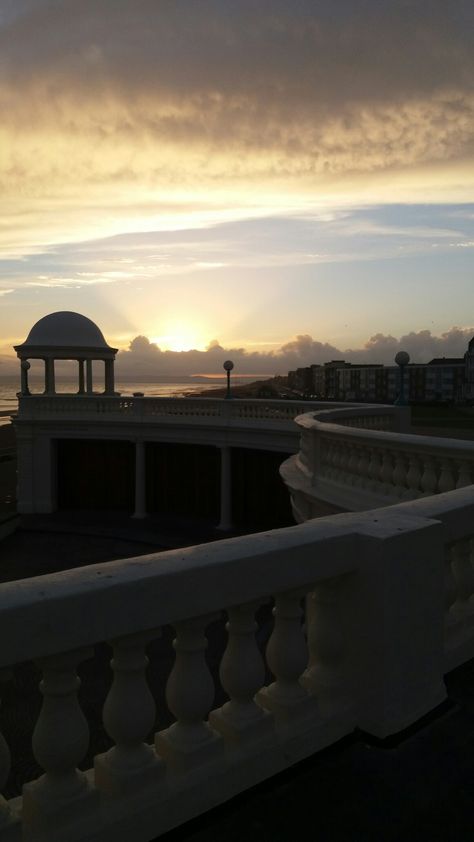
(277,182)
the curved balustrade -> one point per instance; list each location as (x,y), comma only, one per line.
(369,465)
(331,674)
(42,406)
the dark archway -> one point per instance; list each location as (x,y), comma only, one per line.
(95,474)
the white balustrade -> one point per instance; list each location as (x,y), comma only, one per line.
(60,741)
(190,741)
(413,477)
(242,674)
(447,480)
(352,671)
(386,473)
(287,657)
(129,717)
(324,676)
(389,466)
(363,467)
(375,467)
(399,477)
(429,479)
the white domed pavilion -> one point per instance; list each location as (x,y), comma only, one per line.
(67,336)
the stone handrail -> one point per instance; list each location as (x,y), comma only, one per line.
(364,664)
(361,467)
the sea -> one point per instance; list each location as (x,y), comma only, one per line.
(164,388)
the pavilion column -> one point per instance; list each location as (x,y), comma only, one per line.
(89,387)
(109,377)
(50,388)
(140,477)
(225,522)
(81,377)
(24,367)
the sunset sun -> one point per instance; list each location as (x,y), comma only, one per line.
(180,338)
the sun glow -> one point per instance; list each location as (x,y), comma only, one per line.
(180,338)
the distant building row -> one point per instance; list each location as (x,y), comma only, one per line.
(442,379)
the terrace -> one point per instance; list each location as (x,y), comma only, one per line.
(371,609)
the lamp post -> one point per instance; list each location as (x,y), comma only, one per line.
(228,366)
(402,359)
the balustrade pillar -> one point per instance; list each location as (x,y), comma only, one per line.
(413,478)
(400,474)
(60,741)
(386,473)
(324,677)
(129,717)
(190,741)
(287,657)
(140,480)
(374,469)
(242,674)
(225,522)
(353,464)
(447,481)
(429,478)
(363,467)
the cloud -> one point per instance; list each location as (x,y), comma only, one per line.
(145,358)
(110,106)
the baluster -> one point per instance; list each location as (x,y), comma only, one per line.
(400,474)
(336,460)
(353,463)
(326,458)
(287,657)
(242,674)
(446,480)
(414,475)
(324,677)
(464,576)
(374,469)
(129,717)
(429,479)
(190,741)
(464,475)
(363,467)
(334,468)
(63,794)
(386,472)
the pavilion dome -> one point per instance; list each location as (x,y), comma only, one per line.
(65,330)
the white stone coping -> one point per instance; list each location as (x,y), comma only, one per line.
(82,606)
(74,608)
